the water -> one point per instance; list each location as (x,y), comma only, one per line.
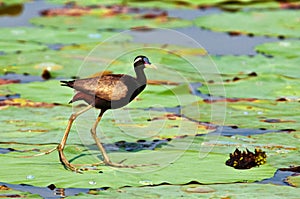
(279,178)
(49,192)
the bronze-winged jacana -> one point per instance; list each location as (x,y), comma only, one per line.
(105,92)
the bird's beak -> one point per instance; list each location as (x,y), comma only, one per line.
(150,66)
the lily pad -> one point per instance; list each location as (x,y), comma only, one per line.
(280,148)
(11,2)
(283,22)
(88,59)
(243,66)
(266,86)
(239,4)
(36,91)
(17,47)
(237,190)
(104,23)
(54,36)
(58,63)
(294,181)
(263,114)
(196,170)
(287,49)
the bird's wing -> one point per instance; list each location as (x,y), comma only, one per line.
(108,87)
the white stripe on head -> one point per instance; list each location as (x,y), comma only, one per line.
(138,59)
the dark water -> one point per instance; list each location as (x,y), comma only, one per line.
(22,78)
(49,192)
(279,178)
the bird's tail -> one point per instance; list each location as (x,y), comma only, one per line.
(67,83)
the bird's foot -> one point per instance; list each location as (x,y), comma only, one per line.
(40,154)
(70,166)
(65,162)
(88,167)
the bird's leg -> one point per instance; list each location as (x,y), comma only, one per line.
(62,144)
(106,159)
(97,140)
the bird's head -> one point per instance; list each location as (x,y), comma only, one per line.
(143,61)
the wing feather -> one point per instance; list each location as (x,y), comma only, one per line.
(108,87)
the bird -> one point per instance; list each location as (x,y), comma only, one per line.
(109,91)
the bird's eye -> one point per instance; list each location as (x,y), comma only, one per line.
(146,60)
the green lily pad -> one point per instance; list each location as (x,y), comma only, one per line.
(87,59)
(54,36)
(261,113)
(140,124)
(37,91)
(287,49)
(266,86)
(237,190)
(283,23)
(294,181)
(96,23)
(11,2)
(45,125)
(242,66)
(63,63)
(17,47)
(196,170)
(281,148)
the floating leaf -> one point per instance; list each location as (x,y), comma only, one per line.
(236,190)
(235,5)
(103,23)
(294,181)
(251,190)
(196,170)
(88,59)
(54,36)
(233,66)
(239,114)
(287,49)
(266,86)
(17,47)
(283,22)
(12,2)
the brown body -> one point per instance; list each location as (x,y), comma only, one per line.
(106,92)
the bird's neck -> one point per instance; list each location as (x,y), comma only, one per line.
(140,75)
